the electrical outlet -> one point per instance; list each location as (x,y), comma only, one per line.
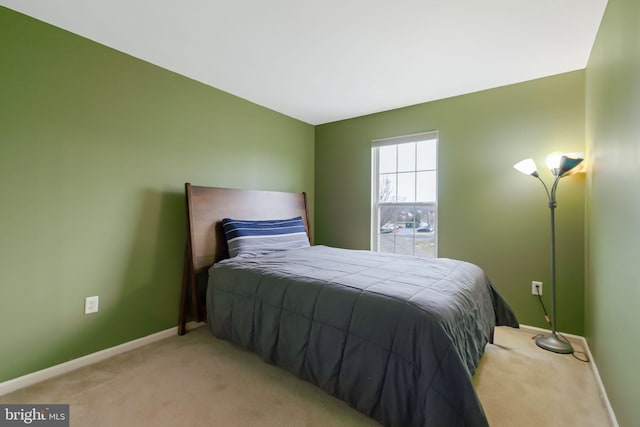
(90,305)
(536,288)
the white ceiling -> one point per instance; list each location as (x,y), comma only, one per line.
(326,60)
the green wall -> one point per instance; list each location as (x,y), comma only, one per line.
(489,213)
(95,148)
(613,206)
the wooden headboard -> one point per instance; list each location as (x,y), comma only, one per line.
(206,207)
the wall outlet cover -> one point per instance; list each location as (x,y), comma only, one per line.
(536,288)
(90,305)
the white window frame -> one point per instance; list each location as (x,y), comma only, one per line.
(375,183)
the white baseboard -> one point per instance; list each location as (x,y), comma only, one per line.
(45,374)
(583,341)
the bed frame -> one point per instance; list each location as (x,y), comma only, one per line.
(206,207)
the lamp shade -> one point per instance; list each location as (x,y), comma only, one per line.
(527,167)
(553,162)
(569,162)
(562,164)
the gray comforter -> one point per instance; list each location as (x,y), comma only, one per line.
(396,337)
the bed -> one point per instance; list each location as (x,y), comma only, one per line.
(396,337)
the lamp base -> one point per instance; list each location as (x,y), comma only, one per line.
(553,342)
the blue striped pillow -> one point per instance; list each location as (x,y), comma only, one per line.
(245,237)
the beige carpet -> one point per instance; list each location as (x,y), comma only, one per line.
(197,380)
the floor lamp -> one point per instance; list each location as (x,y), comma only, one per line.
(560,166)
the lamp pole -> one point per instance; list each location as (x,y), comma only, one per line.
(553,342)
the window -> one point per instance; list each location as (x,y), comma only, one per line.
(404,194)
